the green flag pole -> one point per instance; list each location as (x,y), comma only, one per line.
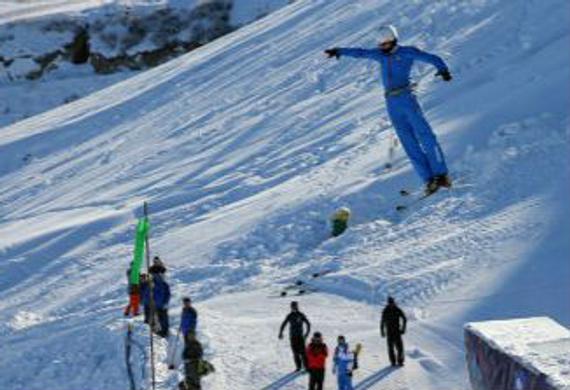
(151,288)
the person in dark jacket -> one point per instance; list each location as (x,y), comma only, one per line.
(134,296)
(297,335)
(192,355)
(188,319)
(317,353)
(157,266)
(161,295)
(393,325)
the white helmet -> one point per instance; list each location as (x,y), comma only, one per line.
(387,33)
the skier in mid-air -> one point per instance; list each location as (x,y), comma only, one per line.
(414,132)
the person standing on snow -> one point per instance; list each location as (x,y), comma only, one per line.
(414,132)
(317,353)
(157,266)
(297,336)
(161,295)
(343,364)
(193,353)
(188,318)
(134,296)
(394,329)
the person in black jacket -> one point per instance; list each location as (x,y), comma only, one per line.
(192,355)
(157,266)
(394,329)
(297,334)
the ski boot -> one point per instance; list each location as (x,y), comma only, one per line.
(431,187)
(443,181)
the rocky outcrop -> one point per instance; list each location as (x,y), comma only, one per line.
(110,39)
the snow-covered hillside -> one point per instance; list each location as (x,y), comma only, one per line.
(244,147)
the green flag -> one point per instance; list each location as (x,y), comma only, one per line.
(142,232)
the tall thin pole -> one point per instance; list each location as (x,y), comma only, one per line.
(152,306)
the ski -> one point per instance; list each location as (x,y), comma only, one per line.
(417,196)
(301,282)
(302,286)
(297,293)
(403,207)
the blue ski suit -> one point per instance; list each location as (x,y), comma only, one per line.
(188,320)
(414,132)
(343,365)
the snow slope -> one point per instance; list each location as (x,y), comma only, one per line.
(244,148)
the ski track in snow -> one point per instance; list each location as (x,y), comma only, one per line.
(244,148)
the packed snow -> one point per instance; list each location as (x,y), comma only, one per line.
(243,149)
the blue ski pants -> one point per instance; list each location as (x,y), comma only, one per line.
(416,135)
(344,381)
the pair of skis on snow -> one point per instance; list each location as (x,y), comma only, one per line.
(301,286)
(411,199)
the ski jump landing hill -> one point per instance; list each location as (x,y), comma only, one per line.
(243,149)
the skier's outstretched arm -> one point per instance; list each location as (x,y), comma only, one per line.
(349,52)
(429,58)
(432,59)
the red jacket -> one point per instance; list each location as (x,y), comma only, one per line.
(317,356)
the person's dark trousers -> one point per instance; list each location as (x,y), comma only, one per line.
(146,314)
(298,349)
(162,315)
(192,377)
(395,345)
(316,379)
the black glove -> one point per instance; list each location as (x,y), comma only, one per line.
(445,75)
(334,52)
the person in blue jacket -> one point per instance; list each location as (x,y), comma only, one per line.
(188,319)
(343,364)
(415,133)
(161,295)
